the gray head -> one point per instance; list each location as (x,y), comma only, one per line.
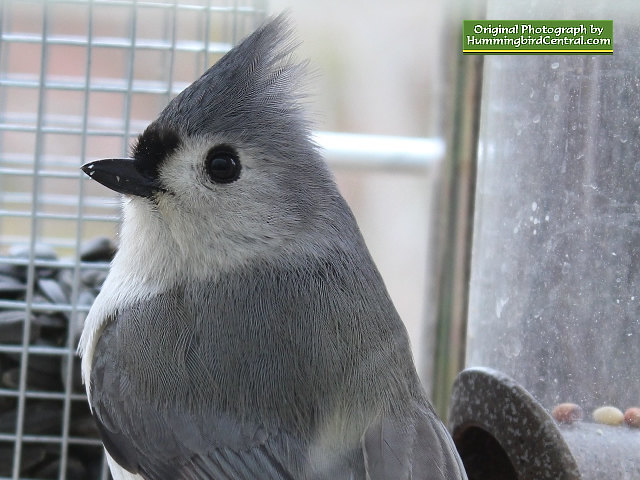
(228,170)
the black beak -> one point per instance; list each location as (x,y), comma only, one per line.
(122,176)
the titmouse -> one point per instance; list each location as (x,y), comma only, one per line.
(243,331)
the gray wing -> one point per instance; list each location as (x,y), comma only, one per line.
(161,442)
(413,449)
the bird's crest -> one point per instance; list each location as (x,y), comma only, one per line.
(256,85)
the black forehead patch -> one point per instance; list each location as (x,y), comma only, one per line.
(153,147)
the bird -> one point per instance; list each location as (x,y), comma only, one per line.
(243,331)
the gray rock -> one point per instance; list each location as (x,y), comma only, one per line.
(11,270)
(41,417)
(84,426)
(86,298)
(94,278)
(31,456)
(100,249)
(42,252)
(51,320)
(65,278)
(11,325)
(7,403)
(76,374)
(36,380)
(53,291)
(53,285)
(11,287)
(49,469)
(45,364)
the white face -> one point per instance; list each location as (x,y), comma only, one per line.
(250,101)
(252,209)
(200,223)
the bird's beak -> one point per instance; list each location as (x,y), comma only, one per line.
(122,176)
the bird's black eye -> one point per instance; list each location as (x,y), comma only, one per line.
(223,164)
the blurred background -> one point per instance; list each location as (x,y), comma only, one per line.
(377,70)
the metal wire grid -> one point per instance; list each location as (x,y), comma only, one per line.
(79,79)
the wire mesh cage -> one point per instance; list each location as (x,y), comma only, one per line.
(79,79)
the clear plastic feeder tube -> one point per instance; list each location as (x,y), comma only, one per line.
(555,275)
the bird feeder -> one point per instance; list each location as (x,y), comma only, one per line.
(554,303)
